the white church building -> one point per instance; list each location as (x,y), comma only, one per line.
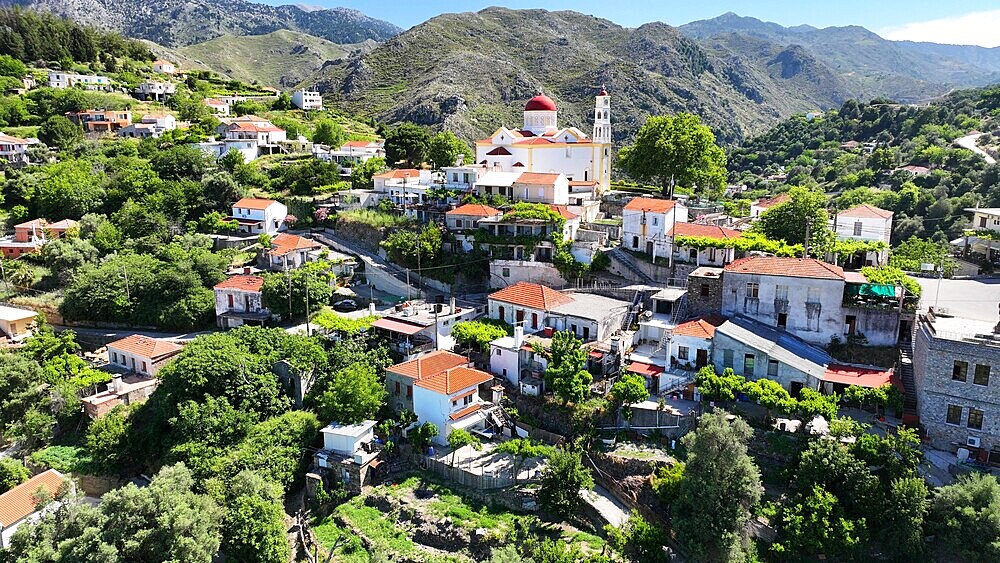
(541,146)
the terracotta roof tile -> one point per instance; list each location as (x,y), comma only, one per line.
(650,204)
(499,151)
(563,211)
(357,144)
(12,140)
(399,174)
(429,365)
(582,183)
(475,210)
(532,296)
(18,503)
(863,376)
(534,141)
(790,267)
(145,346)
(710,231)
(466,411)
(454,380)
(865,211)
(546,178)
(703,327)
(246,283)
(776,200)
(254,203)
(285,243)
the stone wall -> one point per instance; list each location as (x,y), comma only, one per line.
(524,271)
(711,302)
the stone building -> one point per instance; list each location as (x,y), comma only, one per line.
(959,406)
(704,291)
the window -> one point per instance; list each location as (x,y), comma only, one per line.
(960,371)
(144,366)
(748,361)
(781,292)
(857,228)
(954,414)
(655,221)
(397,388)
(230,296)
(506,272)
(753,289)
(114,357)
(499,353)
(704,290)
(727,358)
(782,320)
(682,352)
(409,391)
(534,320)
(635,242)
(772,368)
(982,376)
(693,254)
(500,312)
(812,295)
(711,254)
(975,419)
(468,400)
(520,316)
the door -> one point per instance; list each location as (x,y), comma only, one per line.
(796,388)
(586,333)
(748,361)
(782,320)
(904,331)
(649,247)
(701,358)
(635,242)
(850,325)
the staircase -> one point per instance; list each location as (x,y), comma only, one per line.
(680,310)
(910,413)
(633,310)
(664,338)
(626,260)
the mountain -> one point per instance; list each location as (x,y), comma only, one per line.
(873,66)
(471,72)
(280,59)
(175,23)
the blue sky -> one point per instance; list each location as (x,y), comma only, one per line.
(945,21)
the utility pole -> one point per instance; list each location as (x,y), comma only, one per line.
(937,293)
(128,292)
(306,280)
(805,244)
(3,275)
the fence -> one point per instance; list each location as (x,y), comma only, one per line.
(466,478)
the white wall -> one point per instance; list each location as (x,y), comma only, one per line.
(505,363)
(435,408)
(522,270)
(816,322)
(635,233)
(346,445)
(131,361)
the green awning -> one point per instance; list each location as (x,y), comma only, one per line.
(871,290)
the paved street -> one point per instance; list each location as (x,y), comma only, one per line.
(972,299)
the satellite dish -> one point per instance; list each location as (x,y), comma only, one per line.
(647,314)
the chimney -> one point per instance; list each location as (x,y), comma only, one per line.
(518,336)
(460,160)
(246,269)
(452,305)
(116,383)
(371,309)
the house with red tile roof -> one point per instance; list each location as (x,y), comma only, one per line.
(441,388)
(288,252)
(811,299)
(19,506)
(256,215)
(647,222)
(464,220)
(537,307)
(864,222)
(762,205)
(31,236)
(238,301)
(542,146)
(711,256)
(141,354)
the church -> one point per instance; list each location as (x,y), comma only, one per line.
(540,145)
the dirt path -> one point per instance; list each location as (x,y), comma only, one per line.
(969,142)
(610,508)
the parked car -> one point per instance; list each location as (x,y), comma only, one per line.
(345,305)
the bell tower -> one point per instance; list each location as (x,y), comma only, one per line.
(602,118)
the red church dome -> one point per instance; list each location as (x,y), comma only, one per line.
(541,102)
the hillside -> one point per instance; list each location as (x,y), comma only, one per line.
(871,66)
(470,72)
(175,23)
(280,59)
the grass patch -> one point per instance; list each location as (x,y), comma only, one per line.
(373,218)
(65,459)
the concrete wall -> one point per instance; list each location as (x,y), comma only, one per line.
(786,374)
(520,270)
(814,306)
(933,363)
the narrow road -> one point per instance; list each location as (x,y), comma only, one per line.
(969,142)
(101,336)
(606,504)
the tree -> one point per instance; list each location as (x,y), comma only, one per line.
(562,480)
(282,103)
(407,142)
(965,517)
(831,466)
(813,403)
(9,66)
(106,438)
(59,131)
(312,278)
(770,394)
(788,221)
(667,481)
(628,390)
(677,150)
(12,473)
(720,486)
(480,332)
(361,174)
(522,449)
(459,438)
(328,133)
(565,374)
(902,530)
(714,387)
(254,525)
(637,540)
(445,147)
(70,188)
(424,434)
(352,395)
(817,525)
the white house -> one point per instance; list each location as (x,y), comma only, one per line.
(711,256)
(985,218)
(541,145)
(404,186)
(150,126)
(350,153)
(218,107)
(865,223)
(18,505)
(646,223)
(513,359)
(238,301)
(346,439)
(13,149)
(249,135)
(762,205)
(259,215)
(450,400)
(142,354)
(16,324)
(155,90)
(69,79)
(463,221)
(307,99)
(289,252)
(399,378)
(535,307)
(164,67)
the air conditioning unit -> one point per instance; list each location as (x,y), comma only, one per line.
(972,441)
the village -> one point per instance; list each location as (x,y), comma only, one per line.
(513,327)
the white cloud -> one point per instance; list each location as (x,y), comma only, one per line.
(976,28)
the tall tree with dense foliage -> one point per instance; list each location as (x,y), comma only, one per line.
(721,484)
(562,480)
(58,131)
(328,133)
(566,374)
(445,147)
(629,390)
(965,518)
(788,221)
(817,525)
(902,532)
(638,541)
(480,332)
(408,143)
(351,395)
(254,525)
(12,473)
(676,150)
(292,289)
